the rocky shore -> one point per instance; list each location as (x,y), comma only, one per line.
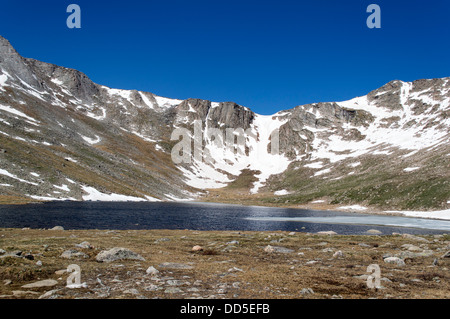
(185,264)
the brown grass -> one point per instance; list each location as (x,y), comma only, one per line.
(253,272)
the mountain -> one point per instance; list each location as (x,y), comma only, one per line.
(63,136)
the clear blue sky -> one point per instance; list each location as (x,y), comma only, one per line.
(266,55)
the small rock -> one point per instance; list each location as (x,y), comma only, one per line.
(410,254)
(175,266)
(152,287)
(268,249)
(39,263)
(28,256)
(60,272)
(411,247)
(338,254)
(57,228)
(197,248)
(84,245)
(152,271)
(7,282)
(278,249)
(235,269)
(40,284)
(48,294)
(15,253)
(306,291)
(131,291)
(446,255)
(161,240)
(2,252)
(417,238)
(394,260)
(173,290)
(21,293)
(72,253)
(118,253)
(175,282)
(330,233)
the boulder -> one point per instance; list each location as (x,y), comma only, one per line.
(74,254)
(41,284)
(416,238)
(277,249)
(118,253)
(84,245)
(394,260)
(330,233)
(169,265)
(152,271)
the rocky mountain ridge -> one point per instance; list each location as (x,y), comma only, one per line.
(66,137)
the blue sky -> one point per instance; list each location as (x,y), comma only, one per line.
(266,55)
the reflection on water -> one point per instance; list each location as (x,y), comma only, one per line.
(204,216)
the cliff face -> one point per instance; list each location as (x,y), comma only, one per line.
(66,137)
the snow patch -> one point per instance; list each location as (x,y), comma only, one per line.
(315,165)
(95,195)
(410,169)
(165,102)
(62,187)
(443,214)
(281,192)
(8,174)
(16,112)
(3,79)
(324,171)
(91,140)
(353,207)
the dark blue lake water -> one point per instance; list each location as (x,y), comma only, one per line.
(205,216)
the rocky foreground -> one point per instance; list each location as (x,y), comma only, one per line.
(142,264)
